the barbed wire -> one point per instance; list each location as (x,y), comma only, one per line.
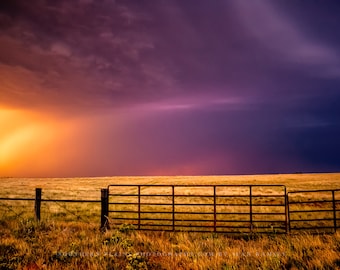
(66,209)
(10,208)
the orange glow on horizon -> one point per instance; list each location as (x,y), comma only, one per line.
(46,144)
(28,142)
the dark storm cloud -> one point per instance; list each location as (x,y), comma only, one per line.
(201,86)
(91,51)
(124,51)
(312,130)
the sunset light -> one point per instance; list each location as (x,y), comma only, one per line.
(29,142)
(100,88)
(169,134)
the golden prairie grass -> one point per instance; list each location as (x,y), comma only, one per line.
(79,188)
(50,245)
(68,236)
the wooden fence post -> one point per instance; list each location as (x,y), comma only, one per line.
(37,203)
(104,209)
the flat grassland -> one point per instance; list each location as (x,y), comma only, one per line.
(68,235)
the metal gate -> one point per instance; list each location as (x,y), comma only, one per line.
(200,208)
(314,211)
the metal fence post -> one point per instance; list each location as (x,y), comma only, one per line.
(173,208)
(288,213)
(138,207)
(214,208)
(286,210)
(104,209)
(334,210)
(251,208)
(37,203)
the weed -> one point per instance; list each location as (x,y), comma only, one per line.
(126,228)
(136,262)
(9,258)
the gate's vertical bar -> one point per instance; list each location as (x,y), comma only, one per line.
(104,209)
(214,208)
(173,208)
(138,207)
(286,213)
(334,210)
(251,208)
(37,204)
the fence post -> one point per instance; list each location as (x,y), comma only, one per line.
(288,213)
(334,210)
(251,208)
(173,208)
(104,209)
(37,203)
(214,208)
(286,210)
(138,207)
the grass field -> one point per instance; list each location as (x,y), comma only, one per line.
(68,236)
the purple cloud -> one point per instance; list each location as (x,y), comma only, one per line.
(194,87)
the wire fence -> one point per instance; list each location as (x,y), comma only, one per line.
(193,208)
(56,209)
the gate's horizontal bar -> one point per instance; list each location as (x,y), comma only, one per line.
(193,204)
(312,228)
(269,221)
(156,219)
(312,211)
(156,225)
(130,203)
(196,185)
(17,199)
(307,202)
(70,201)
(308,191)
(233,213)
(271,227)
(124,218)
(268,196)
(231,227)
(146,212)
(311,219)
(282,205)
(268,214)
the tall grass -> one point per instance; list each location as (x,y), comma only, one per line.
(68,236)
(77,245)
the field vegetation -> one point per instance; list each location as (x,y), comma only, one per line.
(68,235)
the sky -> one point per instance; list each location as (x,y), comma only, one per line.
(168,87)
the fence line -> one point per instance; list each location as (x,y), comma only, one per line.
(222,208)
(38,200)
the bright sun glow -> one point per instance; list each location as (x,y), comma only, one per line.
(16,142)
(16,136)
(27,140)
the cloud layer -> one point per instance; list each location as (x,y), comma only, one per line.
(170,87)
